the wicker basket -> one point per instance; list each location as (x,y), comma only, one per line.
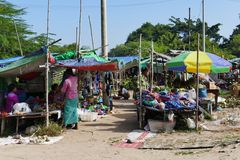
(235,90)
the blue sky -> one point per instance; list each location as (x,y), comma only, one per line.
(124,16)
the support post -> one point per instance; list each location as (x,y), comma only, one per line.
(47,65)
(141,118)
(151,84)
(197,84)
(104,46)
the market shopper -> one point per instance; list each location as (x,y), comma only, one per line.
(71,99)
(11,98)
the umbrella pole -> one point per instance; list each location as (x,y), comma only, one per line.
(197,89)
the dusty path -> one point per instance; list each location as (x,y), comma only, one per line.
(93,142)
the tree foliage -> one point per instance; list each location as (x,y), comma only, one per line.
(174,36)
(10,14)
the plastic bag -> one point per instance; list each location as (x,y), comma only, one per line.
(192,93)
(191,124)
(21,107)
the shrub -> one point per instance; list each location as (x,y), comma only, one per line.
(53,129)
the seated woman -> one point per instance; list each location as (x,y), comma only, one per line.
(52,96)
(123,92)
(11,98)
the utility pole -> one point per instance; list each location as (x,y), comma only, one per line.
(104,46)
(104,28)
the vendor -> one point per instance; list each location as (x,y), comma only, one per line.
(11,98)
(53,93)
(69,88)
(123,92)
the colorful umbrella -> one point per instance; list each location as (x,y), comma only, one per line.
(208,63)
(89,62)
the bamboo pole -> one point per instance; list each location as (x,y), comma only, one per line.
(151,84)
(203,19)
(79,43)
(197,84)
(140,84)
(91,30)
(47,65)
(189,32)
(19,43)
(76,39)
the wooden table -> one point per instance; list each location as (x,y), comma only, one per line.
(24,116)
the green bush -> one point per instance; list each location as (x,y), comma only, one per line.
(130,83)
(53,129)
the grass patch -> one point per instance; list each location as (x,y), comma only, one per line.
(224,93)
(184,153)
(53,129)
(191,152)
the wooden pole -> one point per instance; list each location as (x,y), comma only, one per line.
(152,49)
(197,84)
(47,65)
(79,43)
(91,30)
(189,31)
(76,39)
(140,84)
(79,30)
(19,43)
(203,19)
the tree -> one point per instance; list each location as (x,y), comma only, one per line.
(9,14)
(172,36)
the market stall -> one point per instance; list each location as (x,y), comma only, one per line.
(90,66)
(199,62)
(28,78)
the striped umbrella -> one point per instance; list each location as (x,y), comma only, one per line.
(208,63)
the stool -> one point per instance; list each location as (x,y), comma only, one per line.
(207,103)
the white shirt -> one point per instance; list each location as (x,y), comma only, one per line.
(124,91)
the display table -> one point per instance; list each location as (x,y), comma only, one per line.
(150,112)
(27,116)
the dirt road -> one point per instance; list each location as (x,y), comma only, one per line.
(93,141)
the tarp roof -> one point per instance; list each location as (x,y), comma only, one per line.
(88,61)
(9,60)
(25,65)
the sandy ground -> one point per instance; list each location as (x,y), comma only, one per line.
(93,142)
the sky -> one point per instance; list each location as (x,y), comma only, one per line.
(123,16)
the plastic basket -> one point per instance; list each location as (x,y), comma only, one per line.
(161,126)
(89,116)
